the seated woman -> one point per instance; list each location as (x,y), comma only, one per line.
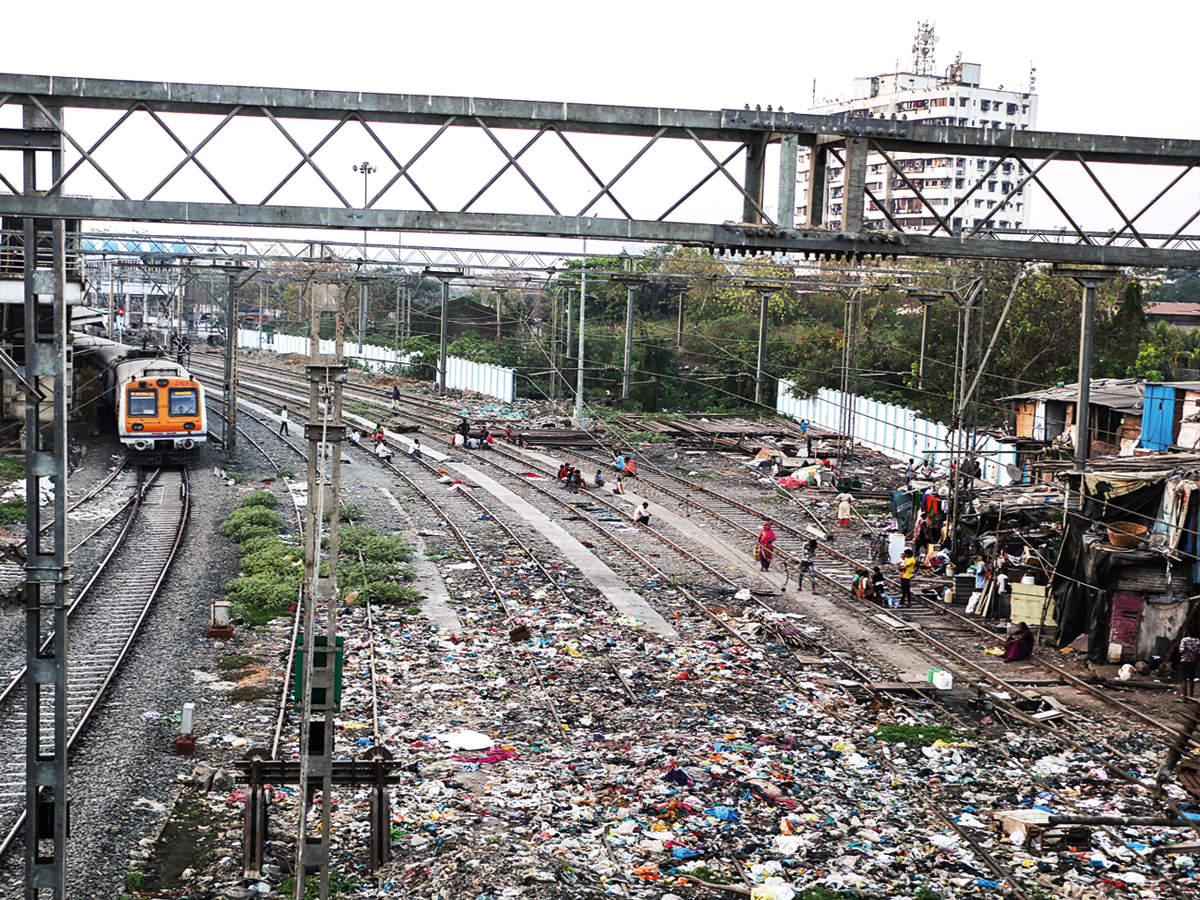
(599,479)
(1019,644)
(619,462)
(630,468)
(619,486)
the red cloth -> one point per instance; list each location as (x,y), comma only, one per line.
(766,543)
(496,754)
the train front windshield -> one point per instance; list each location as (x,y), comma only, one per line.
(143,404)
(184,402)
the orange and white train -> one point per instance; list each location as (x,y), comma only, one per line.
(160,408)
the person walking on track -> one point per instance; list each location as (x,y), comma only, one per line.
(283,421)
(766,546)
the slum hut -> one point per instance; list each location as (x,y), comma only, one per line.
(1048,416)
(1127,565)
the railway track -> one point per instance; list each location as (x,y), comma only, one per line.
(104,619)
(998,868)
(925,621)
(449,513)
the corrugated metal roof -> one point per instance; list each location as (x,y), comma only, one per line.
(1121,394)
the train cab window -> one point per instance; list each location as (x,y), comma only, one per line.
(143,403)
(183,402)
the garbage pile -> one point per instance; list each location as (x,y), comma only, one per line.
(723,777)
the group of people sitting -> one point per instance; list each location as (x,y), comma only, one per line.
(625,465)
(380,447)
(870,586)
(481,441)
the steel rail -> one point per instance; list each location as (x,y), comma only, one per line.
(115,665)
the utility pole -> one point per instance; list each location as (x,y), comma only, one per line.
(231,340)
(849,367)
(318,692)
(567,339)
(555,369)
(1089,280)
(579,361)
(262,290)
(445,276)
(111,277)
(631,280)
(362,318)
(924,343)
(396,330)
(764,292)
(679,323)
(498,296)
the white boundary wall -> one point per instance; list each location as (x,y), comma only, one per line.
(461,374)
(894,431)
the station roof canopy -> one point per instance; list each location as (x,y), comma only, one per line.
(126,246)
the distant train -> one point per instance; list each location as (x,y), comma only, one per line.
(159,407)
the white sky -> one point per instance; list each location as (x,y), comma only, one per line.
(1101,67)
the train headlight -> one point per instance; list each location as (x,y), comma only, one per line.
(137,426)
(189,426)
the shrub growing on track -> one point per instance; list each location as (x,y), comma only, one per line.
(257,599)
(371,562)
(271,570)
(12,511)
(250,521)
(260,498)
(277,560)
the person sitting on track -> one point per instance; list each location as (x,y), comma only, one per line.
(599,479)
(619,486)
(630,468)
(563,471)
(1019,644)
(382,451)
(377,434)
(641,515)
(880,588)
(619,462)
(415,450)
(508,433)
(355,437)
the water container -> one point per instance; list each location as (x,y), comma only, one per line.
(943,680)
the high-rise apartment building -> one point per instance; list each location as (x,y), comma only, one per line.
(956,98)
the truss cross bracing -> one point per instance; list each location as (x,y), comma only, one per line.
(195,153)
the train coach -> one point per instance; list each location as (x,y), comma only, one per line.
(159,407)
